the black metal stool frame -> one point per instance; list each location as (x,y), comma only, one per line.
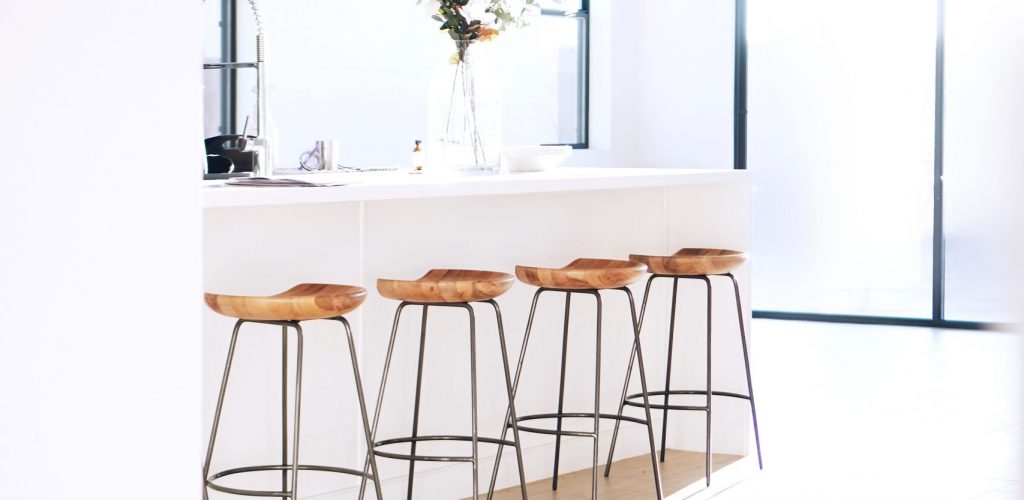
(708,392)
(294,467)
(474,438)
(512,421)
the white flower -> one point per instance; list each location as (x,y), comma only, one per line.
(498,15)
(513,13)
(479,10)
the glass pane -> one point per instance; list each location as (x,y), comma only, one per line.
(841,129)
(540,69)
(212,78)
(334,76)
(984,124)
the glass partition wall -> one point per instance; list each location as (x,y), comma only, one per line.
(876,132)
(840,147)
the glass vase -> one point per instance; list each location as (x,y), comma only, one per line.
(464,134)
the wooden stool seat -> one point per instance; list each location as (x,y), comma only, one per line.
(287,310)
(693,262)
(584,274)
(447,286)
(301,302)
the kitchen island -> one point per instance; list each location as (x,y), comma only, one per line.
(262,240)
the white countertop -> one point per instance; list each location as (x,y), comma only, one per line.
(402,185)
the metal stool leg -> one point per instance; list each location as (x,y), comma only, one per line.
(707,444)
(284,408)
(668,365)
(220,406)
(746,365)
(509,419)
(289,489)
(472,384)
(362,408)
(298,409)
(416,405)
(597,396)
(625,385)
(511,404)
(643,387)
(561,389)
(380,395)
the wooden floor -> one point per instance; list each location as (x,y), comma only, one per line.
(630,479)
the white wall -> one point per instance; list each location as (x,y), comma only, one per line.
(100,253)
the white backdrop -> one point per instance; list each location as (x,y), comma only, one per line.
(100,250)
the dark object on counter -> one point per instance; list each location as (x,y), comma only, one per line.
(217,164)
(226,157)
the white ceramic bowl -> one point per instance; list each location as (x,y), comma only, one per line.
(534,158)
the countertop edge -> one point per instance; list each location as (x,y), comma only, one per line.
(397,187)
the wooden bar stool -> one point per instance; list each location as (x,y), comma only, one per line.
(692,264)
(446,288)
(584,277)
(300,303)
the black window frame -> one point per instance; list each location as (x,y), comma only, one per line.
(583,73)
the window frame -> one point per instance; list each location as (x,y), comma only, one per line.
(938,317)
(583,72)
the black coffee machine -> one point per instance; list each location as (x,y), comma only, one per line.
(229,156)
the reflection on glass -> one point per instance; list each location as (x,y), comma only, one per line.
(984,113)
(540,68)
(212,92)
(841,129)
(332,75)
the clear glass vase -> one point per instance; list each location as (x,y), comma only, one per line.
(464,134)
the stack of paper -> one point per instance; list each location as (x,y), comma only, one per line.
(278,182)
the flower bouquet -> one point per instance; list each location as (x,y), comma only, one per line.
(465,128)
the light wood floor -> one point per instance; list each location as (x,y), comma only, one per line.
(630,479)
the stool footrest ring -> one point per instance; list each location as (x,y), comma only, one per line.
(546,416)
(658,406)
(433,458)
(269,468)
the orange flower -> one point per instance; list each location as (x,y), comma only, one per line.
(487,34)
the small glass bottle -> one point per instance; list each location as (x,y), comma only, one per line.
(418,157)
